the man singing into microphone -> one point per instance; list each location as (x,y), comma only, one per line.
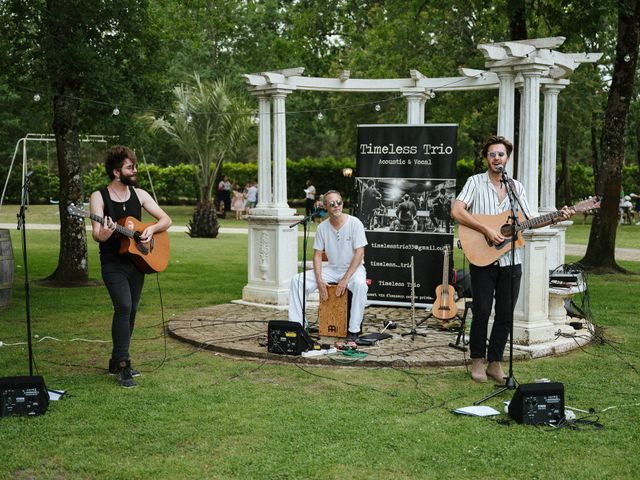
(486,194)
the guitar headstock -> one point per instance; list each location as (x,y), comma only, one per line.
(77,211)
(591,203)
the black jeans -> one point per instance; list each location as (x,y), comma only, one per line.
(124,283)
(489,282)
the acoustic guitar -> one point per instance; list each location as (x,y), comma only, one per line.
(481,252)
(149,257)
(444,307)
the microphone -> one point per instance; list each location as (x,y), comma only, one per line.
(30,173)
(500,168)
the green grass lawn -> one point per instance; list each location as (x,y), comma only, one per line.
(197,414)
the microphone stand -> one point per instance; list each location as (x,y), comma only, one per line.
(304,222)
(22,226)
(510,382)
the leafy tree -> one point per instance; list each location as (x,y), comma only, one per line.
(600,255)
(208,122)
(75,51)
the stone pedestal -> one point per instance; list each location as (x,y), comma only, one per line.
(273,258)
(557,243)
(557,312)
(531,317)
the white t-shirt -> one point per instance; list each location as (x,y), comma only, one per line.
(311,192)
(252,194)
(339,245)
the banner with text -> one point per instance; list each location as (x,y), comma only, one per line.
(405,185)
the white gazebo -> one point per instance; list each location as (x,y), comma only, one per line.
(531,66)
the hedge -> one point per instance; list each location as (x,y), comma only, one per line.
(176,184)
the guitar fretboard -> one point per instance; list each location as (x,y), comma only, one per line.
(534,222)
(119,228)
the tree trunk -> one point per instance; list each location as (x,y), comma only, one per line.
(600,254)
(565,177)
(595,157)
(72,269)
(205,221)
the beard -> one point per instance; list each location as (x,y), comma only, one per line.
(131,181)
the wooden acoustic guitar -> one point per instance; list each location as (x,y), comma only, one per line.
(149,257)
(444,307)
(481,252)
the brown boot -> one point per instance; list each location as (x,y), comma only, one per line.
(477,370)
(494,370)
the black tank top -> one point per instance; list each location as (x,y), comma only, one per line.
(117,210)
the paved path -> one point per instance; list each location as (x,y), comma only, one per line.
(629,254)
(241,330)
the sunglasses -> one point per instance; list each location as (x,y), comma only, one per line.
(496,154)
(335,203)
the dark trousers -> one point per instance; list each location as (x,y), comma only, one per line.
(309,206)
(488,283)
(124,283)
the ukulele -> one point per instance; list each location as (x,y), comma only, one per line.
(444,307)
(481,252)
(149,257)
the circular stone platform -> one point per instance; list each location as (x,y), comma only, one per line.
(241,330)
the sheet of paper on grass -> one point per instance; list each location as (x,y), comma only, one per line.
(477,411)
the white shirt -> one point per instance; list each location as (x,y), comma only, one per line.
(252,194)
(481,197)
(311,192)
(339,245)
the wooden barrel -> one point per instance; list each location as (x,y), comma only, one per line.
(6,268)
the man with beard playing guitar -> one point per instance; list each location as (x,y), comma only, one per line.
(124,281)
(485,194)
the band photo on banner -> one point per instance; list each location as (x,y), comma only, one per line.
(405,185)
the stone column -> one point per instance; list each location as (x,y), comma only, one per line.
(549,137)
(272,246)
(280,153)
(506,109)
(548,185)
(416,100)
(531,316)
(529,135)
(264,152)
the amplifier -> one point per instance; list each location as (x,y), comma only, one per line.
(23,396)
(288,338)
(538,403)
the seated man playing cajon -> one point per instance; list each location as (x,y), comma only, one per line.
(342,239)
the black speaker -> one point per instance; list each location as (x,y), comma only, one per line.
(288,338)
(538,403)
(23,396)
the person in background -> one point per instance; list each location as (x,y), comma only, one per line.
(238,201)
(310,198)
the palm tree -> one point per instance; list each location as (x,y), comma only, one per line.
(207,122)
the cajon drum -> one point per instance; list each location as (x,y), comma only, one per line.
(332,314)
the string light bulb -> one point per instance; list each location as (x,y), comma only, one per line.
(189,118)
(36,97)
(377,107)
(627,58)
(320,116)
(116,111)
(255,119)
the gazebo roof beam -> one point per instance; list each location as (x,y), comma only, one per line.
(519,50)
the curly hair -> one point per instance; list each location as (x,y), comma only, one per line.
(115,157)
